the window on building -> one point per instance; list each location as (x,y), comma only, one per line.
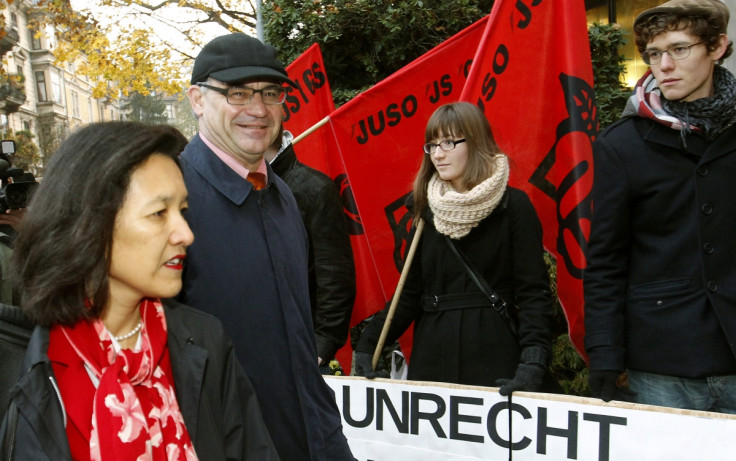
(14,19)
(170,111)
(75,103)
(56,86)
(35,39)
(50,37)
(41,87)
(622,12)
(27,125)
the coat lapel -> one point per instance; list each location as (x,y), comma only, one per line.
(188,363)
(697,146)
(723,145)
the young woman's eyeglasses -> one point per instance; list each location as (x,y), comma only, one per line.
(445,145)
(677,52)
(241,96)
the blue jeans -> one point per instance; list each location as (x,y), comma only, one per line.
(715,393)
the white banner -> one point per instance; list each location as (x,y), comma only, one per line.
(387,420)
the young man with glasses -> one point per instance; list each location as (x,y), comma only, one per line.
(248,264)
(660,285)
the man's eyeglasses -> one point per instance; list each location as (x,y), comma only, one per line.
(241,96)
(677,52)
(445,145)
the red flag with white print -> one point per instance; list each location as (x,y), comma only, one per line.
(532,76)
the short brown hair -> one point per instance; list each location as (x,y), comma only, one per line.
(708,28)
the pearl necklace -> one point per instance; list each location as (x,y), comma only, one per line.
(129,334)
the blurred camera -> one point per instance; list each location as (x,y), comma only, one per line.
(17,185)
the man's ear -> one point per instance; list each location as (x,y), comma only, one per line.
(717,53)
(196,99)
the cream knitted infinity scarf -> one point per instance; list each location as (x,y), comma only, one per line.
(456,213)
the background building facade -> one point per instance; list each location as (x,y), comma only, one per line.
(37,95)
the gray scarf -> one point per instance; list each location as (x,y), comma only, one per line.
(711,115)
(707,116)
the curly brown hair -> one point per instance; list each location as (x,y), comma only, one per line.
(705,27)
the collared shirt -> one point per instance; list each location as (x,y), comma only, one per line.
(230,161)
(286,140)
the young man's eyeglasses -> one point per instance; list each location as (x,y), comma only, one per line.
(445,145)
(241,96)
(677,52)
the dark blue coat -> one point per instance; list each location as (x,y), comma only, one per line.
(660,285)
(248,267)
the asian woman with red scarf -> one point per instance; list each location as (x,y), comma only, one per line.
(112,372)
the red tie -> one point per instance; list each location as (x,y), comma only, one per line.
(257,179)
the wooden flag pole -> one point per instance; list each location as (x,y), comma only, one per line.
(397,293)
(310,130)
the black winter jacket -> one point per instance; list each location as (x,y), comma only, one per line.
(216,399)
(473,345)
(331,265)
(660,284)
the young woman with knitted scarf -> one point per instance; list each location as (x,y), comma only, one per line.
(113,371)
(461,192)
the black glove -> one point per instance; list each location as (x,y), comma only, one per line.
(603,386)
(364,365)
(528,377)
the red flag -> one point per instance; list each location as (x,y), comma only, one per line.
(533,77)
(380,135)
(305,106)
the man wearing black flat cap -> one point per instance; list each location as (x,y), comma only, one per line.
(660,285)
(248,265)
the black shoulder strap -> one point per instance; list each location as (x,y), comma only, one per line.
(497,301)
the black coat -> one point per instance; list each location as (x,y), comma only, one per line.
(216,399)
(331,266)
(474,346)
(660,285)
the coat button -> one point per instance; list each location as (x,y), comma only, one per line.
(709,248)
(712,286)
(703,171)
(707,208)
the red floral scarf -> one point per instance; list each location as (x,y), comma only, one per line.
(135,413)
